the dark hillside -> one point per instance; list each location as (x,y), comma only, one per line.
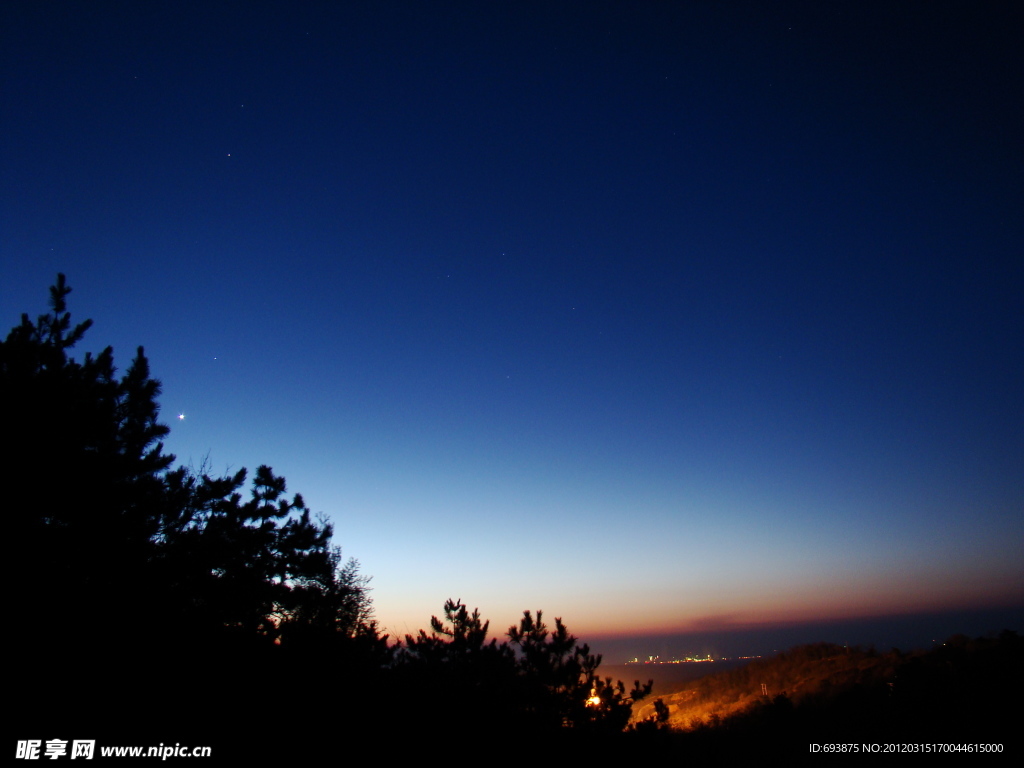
(962,691)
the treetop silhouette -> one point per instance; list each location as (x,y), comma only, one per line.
(116,540)
(536,679)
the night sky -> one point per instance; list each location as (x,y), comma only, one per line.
(656,316)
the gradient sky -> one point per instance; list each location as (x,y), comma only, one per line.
(655,316)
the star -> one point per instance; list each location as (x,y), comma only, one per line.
(181,417)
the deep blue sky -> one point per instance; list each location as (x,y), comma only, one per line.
(656,316)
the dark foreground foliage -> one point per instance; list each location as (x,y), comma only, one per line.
(155,604)
(143,590)
(538,681)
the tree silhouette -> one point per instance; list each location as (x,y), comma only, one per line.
(125,564)
(562,676)
(262,568)
(84,471)
(537,681)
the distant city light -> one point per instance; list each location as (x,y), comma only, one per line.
(684,660)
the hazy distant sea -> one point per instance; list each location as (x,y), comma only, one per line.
(666,677)
(906,632)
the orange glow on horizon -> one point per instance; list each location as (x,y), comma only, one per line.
(782,616)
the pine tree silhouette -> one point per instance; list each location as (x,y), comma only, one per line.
(126,568)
